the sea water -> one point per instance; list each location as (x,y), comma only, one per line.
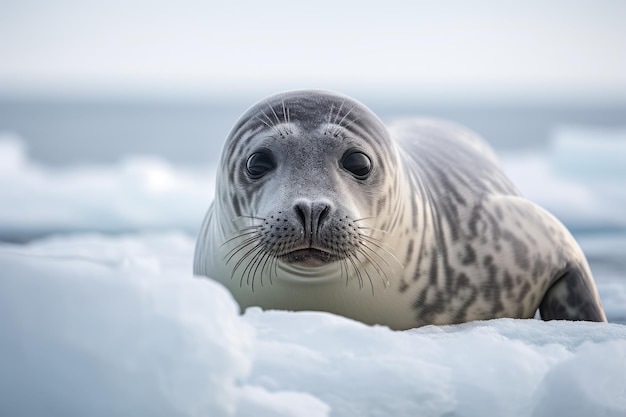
(61,131)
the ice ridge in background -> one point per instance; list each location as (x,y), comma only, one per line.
(581,179)
(138,193)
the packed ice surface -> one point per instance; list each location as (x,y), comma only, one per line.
(94,324)
(100,326)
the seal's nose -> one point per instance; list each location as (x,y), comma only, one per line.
(312,215)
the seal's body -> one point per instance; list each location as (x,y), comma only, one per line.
(319,206)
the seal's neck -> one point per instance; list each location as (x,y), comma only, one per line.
(416,230)
(308,275)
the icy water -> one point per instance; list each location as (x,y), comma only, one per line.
(67,131)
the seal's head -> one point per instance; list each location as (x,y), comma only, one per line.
(302,178)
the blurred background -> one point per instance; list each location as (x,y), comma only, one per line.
(95,96)
(87,81)
(113,113)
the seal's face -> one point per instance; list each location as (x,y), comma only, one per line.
(298,179)
(306,177)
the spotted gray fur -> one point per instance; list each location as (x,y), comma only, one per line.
(436,234)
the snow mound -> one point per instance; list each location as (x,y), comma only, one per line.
(93,325)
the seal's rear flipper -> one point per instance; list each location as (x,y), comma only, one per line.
(572,297)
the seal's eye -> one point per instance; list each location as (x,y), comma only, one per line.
(259,164)
(357,163)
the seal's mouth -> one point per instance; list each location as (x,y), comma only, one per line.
(309,257)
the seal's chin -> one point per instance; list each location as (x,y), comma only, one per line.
(309,257)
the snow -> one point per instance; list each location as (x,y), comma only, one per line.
(103,316)
(114,326)
(94,325)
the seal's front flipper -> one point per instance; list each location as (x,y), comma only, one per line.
(572,297)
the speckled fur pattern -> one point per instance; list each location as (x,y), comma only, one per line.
(436,234)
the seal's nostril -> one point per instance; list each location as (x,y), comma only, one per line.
(323,214)
(303,211)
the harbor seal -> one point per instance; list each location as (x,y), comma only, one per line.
(320,206)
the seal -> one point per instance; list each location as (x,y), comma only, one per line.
(320,206)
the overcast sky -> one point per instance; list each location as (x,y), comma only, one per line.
(196,46)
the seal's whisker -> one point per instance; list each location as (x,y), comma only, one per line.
(350,123)
(357,274)
(380,246)
(345,115)
(376,241)
(268,263)
(271,259)
(239,248)
(377,254)
(269,119)
(347,271)
(339,125)
(344,118)
(242,246)
(265,255)
(265,258)
(243,216)
(240,235)
(363,218)
(271,124)
(276,260)
(344,259)
(275,115)
(243,258)
(356,270)
(381,272)
(256,258)
(286,119)
(246,228)
(369,277)
(342,265)
(265,123)
(330,114)
(250,265)
(338,112)
(372,229)
(253,237)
